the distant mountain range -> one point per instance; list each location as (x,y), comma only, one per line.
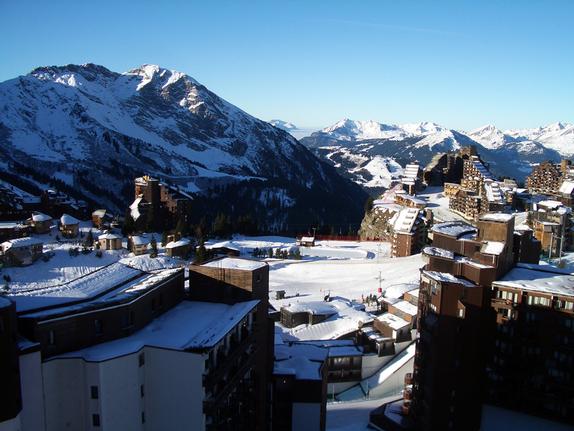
(94,130)
(371,153)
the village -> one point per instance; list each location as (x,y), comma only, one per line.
(447,262)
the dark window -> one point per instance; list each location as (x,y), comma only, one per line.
(153,306)
(98,326)
(128,319)
(143,417)
(142,393)
(51,338)
(1,326)
(94,392)
(161,300)
(141,359)
(96,420)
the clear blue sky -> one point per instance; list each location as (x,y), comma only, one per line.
(459,63)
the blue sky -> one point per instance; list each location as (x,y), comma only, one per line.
(459,63)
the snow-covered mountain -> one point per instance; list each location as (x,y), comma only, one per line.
(367,151)
(96,130)
(557,136)
(283,125)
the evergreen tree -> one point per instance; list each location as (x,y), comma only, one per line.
(153,244)
(200,254)
(222,226)
(181,227)
(369,204)
(89,238)
(129,225)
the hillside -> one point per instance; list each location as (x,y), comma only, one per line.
(94,130)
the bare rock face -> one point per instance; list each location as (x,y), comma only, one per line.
(375,225)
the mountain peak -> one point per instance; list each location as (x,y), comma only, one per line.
(152,73)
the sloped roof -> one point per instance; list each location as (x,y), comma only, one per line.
(67,220)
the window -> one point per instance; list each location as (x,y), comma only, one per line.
(143,417)
(538,300)
(96,420)
(141,359)
(128,319)
(98,326)
(142,393)
(1,326)
(51,338)
(153,306)
(94,393)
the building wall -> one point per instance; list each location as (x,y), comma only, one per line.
(65,393)
(173,390)
(32,416)
(170,381)
(306,417)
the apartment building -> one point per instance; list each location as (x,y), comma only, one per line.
(478,191)
(164,201)
(481,332)
(126,349)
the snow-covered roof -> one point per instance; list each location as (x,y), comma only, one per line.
(543,281)
(412,198)
(301,360)
(109,235)
(406,307)
(394,322)
(121,285)
(550,204)
(345,322)
(438,252)
(307,239)
(445,277)
(140,240)
(236,263)
(480,167)
(414,293)
(492,247)
(68,220)
(453,228)
(39,217)
(99,213)
(183,242)
(501,217)
(11,225)
(189,325)
(21,242)
(404,221)
(567,187)
(312,307)
(522,227)
(398,290)
(493,192)
(134,208)
(104,279)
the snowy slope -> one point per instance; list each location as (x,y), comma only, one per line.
(98,129)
